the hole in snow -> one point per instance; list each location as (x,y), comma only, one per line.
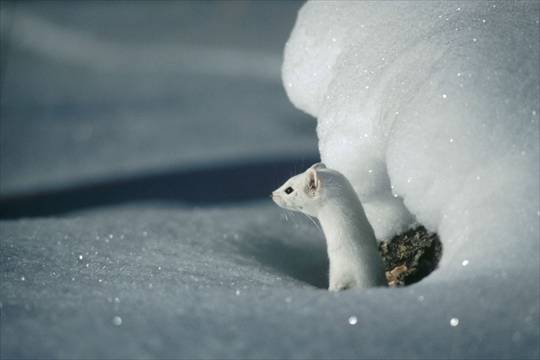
(407,258)
(411,256)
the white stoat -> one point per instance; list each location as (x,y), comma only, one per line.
(352,248)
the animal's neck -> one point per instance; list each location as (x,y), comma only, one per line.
(345,225)
(351,240)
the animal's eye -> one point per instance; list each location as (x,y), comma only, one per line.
(289,190)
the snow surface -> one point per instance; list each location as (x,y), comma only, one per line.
(180,277)
(126,98)
(233,282)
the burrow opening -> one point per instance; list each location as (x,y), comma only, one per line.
(410,256)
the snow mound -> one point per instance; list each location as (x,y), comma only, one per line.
(431,110)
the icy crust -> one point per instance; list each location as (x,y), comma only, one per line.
(431,110)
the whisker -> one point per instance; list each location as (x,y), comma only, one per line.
(293,216)
(318,226)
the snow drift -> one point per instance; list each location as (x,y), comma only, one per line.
(431,110)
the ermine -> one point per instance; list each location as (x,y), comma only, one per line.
(352,248)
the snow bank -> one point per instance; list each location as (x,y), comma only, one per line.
(431,109)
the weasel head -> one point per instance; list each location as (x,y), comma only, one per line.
(307,192)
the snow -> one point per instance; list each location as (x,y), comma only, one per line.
(220,282)
(162,271)
(435,106)
(126,98)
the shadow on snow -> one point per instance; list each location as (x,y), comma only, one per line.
(295,257)
(224,183)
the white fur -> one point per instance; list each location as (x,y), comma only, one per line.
(352,248)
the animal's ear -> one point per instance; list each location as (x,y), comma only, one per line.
(313,182)
(318,165)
